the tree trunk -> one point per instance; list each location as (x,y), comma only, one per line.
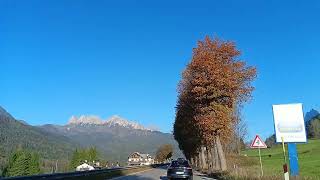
(196,161)
(192,161)
(203,158)
(215,157)
(200,161)
(239,146)
(222,157)
(209,160)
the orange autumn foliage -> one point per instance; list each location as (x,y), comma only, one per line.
(212,85)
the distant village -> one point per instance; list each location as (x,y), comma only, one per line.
(134,159)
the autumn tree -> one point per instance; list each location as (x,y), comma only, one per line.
(213,84)
(184,129)
(240,132)
(164,152)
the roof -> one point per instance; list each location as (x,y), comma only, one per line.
(84,166)
(144,156)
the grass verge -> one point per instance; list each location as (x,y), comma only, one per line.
(247,166)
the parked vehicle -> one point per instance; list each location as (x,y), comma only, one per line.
(179,168)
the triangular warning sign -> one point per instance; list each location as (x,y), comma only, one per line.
(258,143)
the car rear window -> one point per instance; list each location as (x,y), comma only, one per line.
(180,164)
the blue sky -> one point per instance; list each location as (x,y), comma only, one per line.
(62,58)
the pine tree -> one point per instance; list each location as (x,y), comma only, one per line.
(34,164)
(80,156)
(75,160)
(22,163)
(92,154)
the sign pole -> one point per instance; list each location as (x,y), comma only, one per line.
(258,143)
(289,126)
(293,160)
(285,166)
(260,162)
(284,151)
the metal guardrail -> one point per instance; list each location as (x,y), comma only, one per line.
(79,175)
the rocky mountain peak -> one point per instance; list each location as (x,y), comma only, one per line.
(114,120)
(117,120)
(85,119)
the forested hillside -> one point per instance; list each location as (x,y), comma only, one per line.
(114,141)
(15,134)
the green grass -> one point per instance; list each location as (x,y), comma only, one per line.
(308,155)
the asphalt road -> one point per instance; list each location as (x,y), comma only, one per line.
(156,174)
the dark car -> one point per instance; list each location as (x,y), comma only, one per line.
(179,169)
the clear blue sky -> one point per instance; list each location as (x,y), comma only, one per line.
(61,58)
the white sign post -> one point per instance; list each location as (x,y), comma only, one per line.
(289,128)
(289,123)
(258,143)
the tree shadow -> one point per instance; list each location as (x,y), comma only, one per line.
(163,177)
(125,176)
(162,167)
(217,175)
(137,177)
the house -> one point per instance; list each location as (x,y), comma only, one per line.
(137,158)
(84,167)
(96,165)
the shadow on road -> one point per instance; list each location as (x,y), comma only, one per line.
(146,176)
(163,178)
(137,177)
(162,167)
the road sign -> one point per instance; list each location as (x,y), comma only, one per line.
(258,143)
(289,128)
(289,123)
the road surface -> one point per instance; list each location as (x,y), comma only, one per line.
(156,174)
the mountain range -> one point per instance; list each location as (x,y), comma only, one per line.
(114,138)
(111,122)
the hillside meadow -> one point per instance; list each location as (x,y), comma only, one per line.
(272,160)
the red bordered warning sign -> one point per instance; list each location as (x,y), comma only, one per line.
(258,143)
